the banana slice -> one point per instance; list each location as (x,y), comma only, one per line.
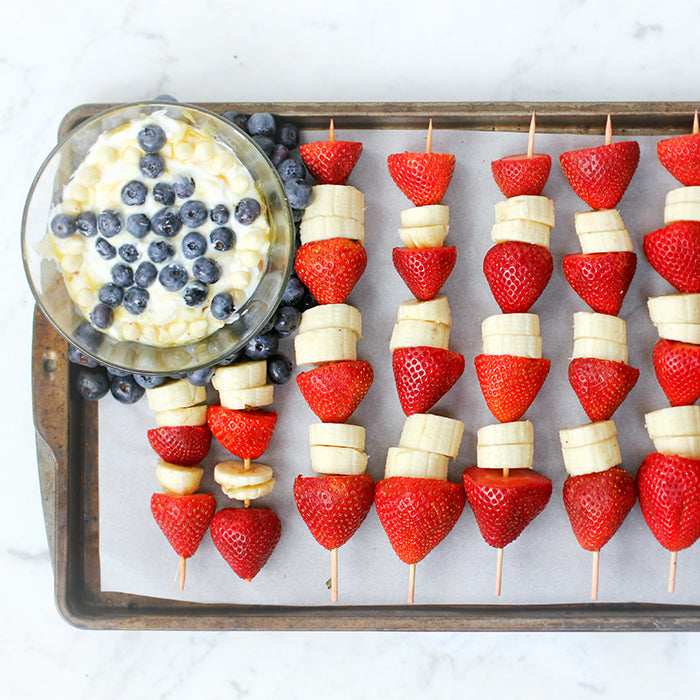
(428,215)
(511,324)
(337,435)
(180,481)
(531,208)
(673,422)
(587,434)
(683,332)
(521,230)
(515,433)
(325,345)
(674,308)
(600,336)
(596,457)
(436,310)
(598,221)
(682,211)
(321,228)
(249,493)
(687,446)
(415,464)
(684,195)
(242,399)
(423,236)
(233,474)
(242,375)
(342,201)
(179,394)
(606,242)
(430,433)
(519,345)
(332,316)
(326,459)
(193,415)
(600,349)
(408,334)
(516,456)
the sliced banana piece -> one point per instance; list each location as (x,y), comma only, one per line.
(683,211)
(511,324)
(241,399)
(687,446)
(531,208)
(325,345)
(600,349)
(674,421)
(326,459)
(242,375)
(518,345)
(521,230)
(428,215)
(587,434)
(408,333)
(336,200)
(598,221)
(600,336)
(331,316)
(436,310)
(322,228)
(674,308)
(431,433)
(234,474)
(682,332)
(180,481)
(423,236)
(192,415)
(596,457)
(415,464)
(515,433)
(178,394)
(249,493)
(606,242)
(337,435)
(684,195)
(514,456)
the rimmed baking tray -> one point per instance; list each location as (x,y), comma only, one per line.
(67,430)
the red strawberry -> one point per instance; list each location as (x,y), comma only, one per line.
(601,279)
(517,274)
(417,514)
(669,495)
(600,175)
(424,375)
(334,391)
(333,507)
(331,268)
(597,505)
(424,270)
(245,538)
(422,177)
(185,445)
(183,519)
(601,385)
(681,157)
(674,252)
(510,383)
(331,162)
(244,433)
(505,505)
(522,174)
(677,367)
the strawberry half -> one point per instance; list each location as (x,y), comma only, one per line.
(597,504)
(417,514)
(424,270)
(669,496)
(423,375)
(601,385)
(246,434)
(600,175)
(601,279)
(681,157)
(183,519)
(510,383)
(335,390)
(331,162)
(331,268)
(677,367)
(522,174)
(185,445)
(422,177)
(333,507)
(245,538)
(674,252)
(505,505)
(517,274)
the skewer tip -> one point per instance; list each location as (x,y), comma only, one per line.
(696,124)
(411,582)
(331,132)
(608,131)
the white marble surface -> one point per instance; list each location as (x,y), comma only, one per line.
(57,55)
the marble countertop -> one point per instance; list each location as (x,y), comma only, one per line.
(57,55)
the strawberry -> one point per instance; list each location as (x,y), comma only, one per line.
(183,519)
(510,383)
(601,279)
(330,162)
(517,274)
(424,270)
(185,445)
(245,538)
(674,252)
(669,495)
(600,175)
(331,268)
(333,507)
(522,174)
(597,505)
(505,505)
(681,157)
(422,177)
(424,375)
(417,514)
(244,433)
(601,385)
(677,367)
(335,390)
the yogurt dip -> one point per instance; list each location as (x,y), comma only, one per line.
(161,234)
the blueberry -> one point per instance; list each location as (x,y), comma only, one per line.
(230,359)
(297,214)
(183,187)
(287,135)
(163,193)
(128,252)
(247,210)
(287,320)
(63,225)
(201,377)
(291,169)
(111,294)
(262,124)
(86,223)
(299,193)
(109,222)
(160,251)
(151,138)
(222,238)
(219,214)
(148,381)
(240,120)
(262,346)
(126,390)
(279,369)
(122,275)
(193,213)
(77,357)
(102,316)
(294,292)
(90,337)
(193,245)
(105,249)
(92,383)
(195,293)
(307,302)
(166,222)
(173,277)
(116,372)
(138,225)
(136,300)
(152,165)
(206,270)
(134,193)
(267,145)
(145,274)
(222,306)
(165,98)
(279,154)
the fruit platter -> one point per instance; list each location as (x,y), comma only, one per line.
(474,408)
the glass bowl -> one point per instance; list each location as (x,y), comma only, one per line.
(47,280)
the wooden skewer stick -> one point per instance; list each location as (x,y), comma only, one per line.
(411,582)
(331,132)
(334,575)
(429,140)
(246,467)
(672,572)
(499,570)
(696,124)
(594,577)
(531,137)
(180,574)
(608,131)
